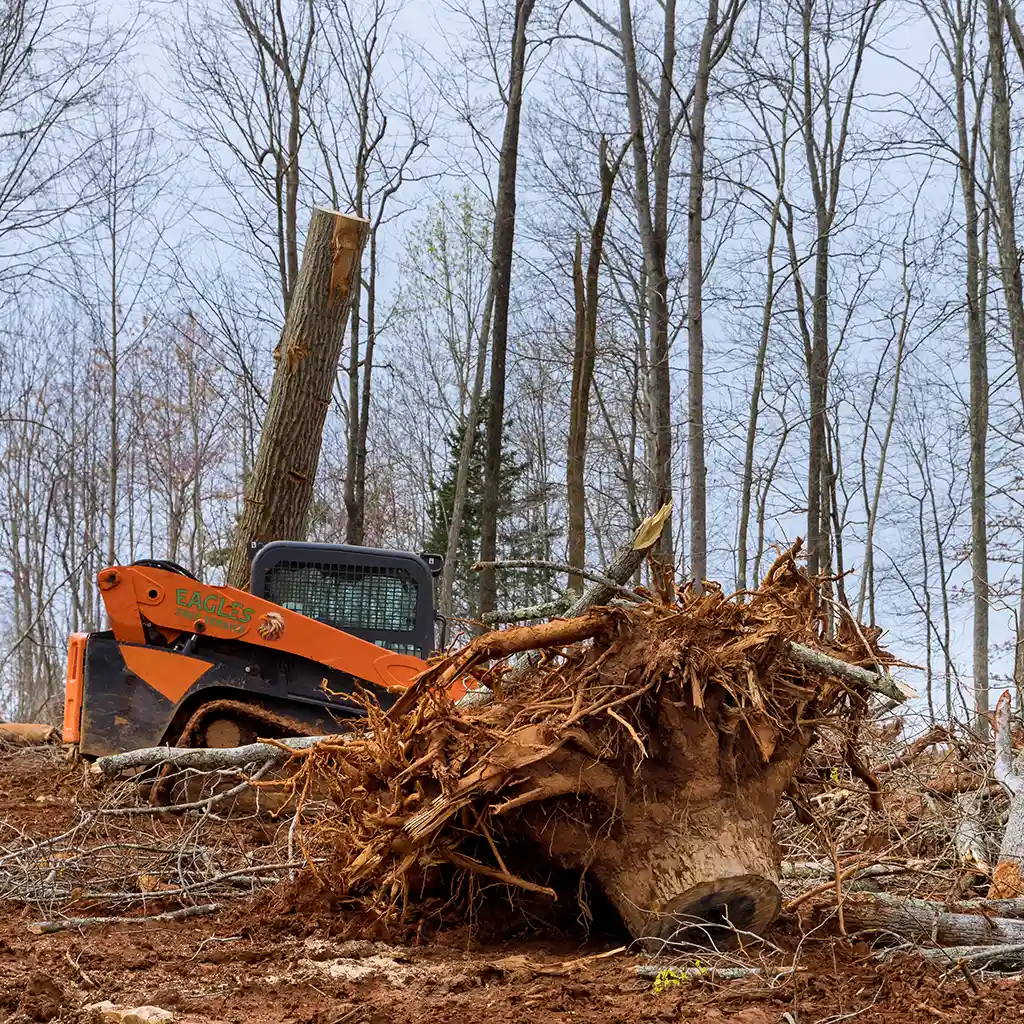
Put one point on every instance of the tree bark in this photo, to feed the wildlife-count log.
(695, 307)
(208, 758)
(652, 222)
(927, 921)
(1008, 877)
(281, 489)
(501, 281)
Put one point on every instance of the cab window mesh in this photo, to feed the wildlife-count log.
(347, 596)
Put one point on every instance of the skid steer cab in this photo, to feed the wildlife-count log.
(188, 664)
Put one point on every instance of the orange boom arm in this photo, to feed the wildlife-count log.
(177, 604)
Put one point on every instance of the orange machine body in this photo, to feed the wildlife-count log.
(152, 610)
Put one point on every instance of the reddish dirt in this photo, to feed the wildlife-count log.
(273, 959)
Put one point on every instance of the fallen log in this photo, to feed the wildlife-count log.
(826, 869)
(874, 681)
(209, 758)
(27, 733)
(927, 921)
(1008, 877)
(994, 908)
(676, 974)
(936, 734)
(981, 957)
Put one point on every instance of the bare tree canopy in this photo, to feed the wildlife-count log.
(755, 262)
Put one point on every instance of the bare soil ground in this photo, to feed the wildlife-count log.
(286, 956)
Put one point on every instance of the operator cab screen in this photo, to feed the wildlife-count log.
(349, 597)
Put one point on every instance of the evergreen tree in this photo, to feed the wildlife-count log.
(518, 532)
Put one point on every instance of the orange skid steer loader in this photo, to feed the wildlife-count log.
(187, 664)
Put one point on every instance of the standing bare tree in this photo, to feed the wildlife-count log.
(654, 161)
(1004, 182)
(115, 262)
(244, 69)
(585, 292)
(368, 149)
(53, 62)
(503, 241)
(956, 30)
(714, 43)
(827, 104)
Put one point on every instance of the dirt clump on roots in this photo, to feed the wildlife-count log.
(644, 745)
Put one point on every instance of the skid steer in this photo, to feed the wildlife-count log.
(189, 664)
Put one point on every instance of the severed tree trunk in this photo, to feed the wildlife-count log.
(501, 279)
(279, 494)
(683, 848)
(927, 921)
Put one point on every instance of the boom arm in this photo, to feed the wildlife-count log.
(176, 604)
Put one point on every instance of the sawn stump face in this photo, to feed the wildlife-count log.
(677, 873)
(682, 845)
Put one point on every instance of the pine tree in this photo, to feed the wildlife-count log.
(519, 535)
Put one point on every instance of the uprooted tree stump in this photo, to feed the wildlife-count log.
(680, 838)
(649, 746)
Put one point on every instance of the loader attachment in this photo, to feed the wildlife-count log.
(186, 663)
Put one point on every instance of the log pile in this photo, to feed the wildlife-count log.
(917, 873)
(646, 745)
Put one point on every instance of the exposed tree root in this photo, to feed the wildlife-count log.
(647, 746)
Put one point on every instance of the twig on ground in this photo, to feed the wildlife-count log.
(73, 923)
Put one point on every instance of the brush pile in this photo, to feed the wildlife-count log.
(647, 745)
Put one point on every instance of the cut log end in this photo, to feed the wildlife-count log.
(715, 913)
(27, 733)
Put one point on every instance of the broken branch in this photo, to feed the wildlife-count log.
(885, 685)
(206, 758)
(73, 923)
